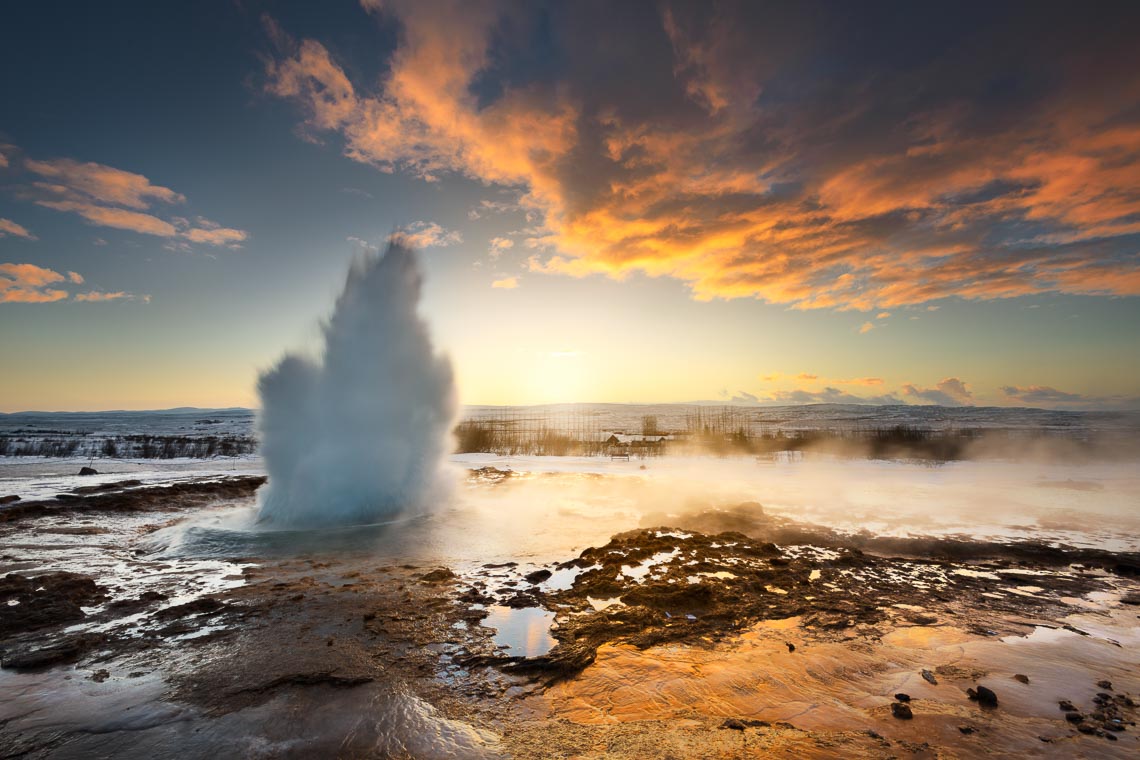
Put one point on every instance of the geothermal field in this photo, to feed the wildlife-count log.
(364, 570)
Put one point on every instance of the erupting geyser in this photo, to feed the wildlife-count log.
(359, 436)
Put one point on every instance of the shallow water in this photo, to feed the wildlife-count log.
(521, 632)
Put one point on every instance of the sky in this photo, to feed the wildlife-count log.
(614, 202)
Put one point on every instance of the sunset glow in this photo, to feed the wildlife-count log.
(767, 193)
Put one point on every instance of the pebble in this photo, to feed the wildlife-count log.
(901, 711)
(986, 696)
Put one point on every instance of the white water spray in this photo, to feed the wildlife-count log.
(359, 437)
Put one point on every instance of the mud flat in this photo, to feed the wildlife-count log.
(725, 633)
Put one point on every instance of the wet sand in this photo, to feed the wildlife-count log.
(728, 634)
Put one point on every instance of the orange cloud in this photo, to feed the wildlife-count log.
(500, 244)
(789, 206)
(110, 197)
(949, 392)
(506, 283)
(28, 283)
(8, 227)
(866, 381)
(426, 235)
(806, 376)
(96, 295)
(104, 183)
(117, 218)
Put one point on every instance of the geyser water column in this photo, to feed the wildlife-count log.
(359, 436)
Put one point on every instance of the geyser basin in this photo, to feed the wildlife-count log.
(358, 436)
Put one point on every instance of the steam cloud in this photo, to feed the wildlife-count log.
(359, 437)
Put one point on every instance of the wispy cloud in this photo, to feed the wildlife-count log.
(1049, 397)
(487, 208)
(829, 395)
(865, 381)
(1040, 394)
(103, 184)
(861, 192)
(506, 283)
(949, 392)
(29, 283)
(8, 227)
(866, 327)
(498, 245)
(93, 296)
(109, 197)
(426, 235)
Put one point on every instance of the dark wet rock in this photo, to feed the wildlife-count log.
(1021, 677)
(1110, 737)
(929, 677)
(57, 652)
(30, 603)
(321, 678)
(88, 471)
(1106, 685)
(1130, 569)
(922, 618)
(902, 697)
(791, 647)
(1066, 705)
(103, 487)
(203, 606)
(701, 588)
(99, 676)
(175, 496)
(967, 730)
(474, 596)
(1074, 717)
(490, 475)
(145, 599)
(1086, 728)
(439, 575)
(987, 697)
(1132, 597)
(901, 711)
(739, 724)
(9, 499)
(522, 600)
(538, 576)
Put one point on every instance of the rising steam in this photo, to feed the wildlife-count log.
(359, 436)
